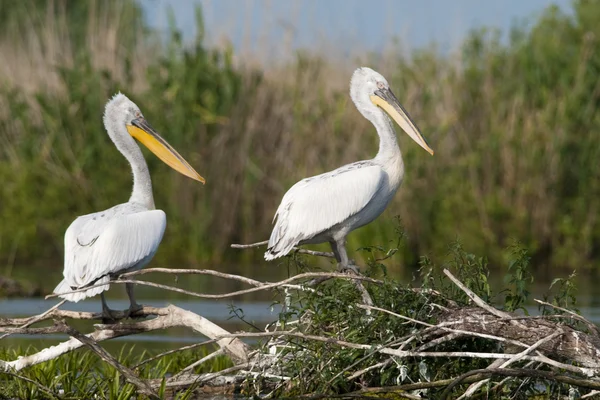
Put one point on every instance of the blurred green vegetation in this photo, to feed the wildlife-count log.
(514, 126)
(83, 375)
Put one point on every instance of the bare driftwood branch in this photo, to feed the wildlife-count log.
(54, 313)
(167, 317)
(523, 343)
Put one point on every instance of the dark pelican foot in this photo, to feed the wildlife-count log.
(133, 308)
(107, 314)
(348, 269)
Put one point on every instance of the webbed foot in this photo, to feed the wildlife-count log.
(133, 308)
(348, 269)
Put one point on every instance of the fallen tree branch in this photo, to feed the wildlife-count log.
(549, 342)
(54, 313)
(168, 317)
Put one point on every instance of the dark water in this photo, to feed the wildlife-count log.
(258, 313)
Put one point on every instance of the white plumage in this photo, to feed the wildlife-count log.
(326, 207)
(125, 237)
(314, 205)
(122, 238)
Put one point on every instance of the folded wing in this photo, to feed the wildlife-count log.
(316, 204)
(101, 244)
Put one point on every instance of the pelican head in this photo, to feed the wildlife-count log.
(120, 112)
(371, 93)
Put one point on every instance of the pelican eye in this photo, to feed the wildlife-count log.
(380, 85)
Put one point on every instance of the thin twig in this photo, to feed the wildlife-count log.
(442, 339)
(39, 385)
(476, 299)
(196, 380)
(530, 373)
(265, 286)
(37, 318)
(591, 394)
(369, 368)
(193, 271)
(166, 353)
(513, 360)
(406, 353)
(142, 386)
(295, 249)
(200, 361)
(250, 245)
(451, 330)
(475, 386)
(398, 389)
(576, 316)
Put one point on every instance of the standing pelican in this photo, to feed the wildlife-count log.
(125, 237)
(327, 207)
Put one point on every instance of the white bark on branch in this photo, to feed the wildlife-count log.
(167, 317)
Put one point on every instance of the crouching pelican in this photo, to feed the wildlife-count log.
(327, 207)
(124, 238)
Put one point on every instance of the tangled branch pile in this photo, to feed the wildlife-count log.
(441, 340)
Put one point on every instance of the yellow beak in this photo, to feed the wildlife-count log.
(145, 134)
(385, 99)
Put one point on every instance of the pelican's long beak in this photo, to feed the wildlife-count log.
(385, 99)
(143, 132)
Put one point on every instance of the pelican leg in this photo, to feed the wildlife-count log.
(107, 315)
(339, 250)
(336, 253)
(133, 306)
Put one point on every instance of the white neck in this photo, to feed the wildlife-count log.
(389, 155)
(142, 184)
(389, 150)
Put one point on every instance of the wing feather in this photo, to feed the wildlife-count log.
(316, 204)
(101, 244)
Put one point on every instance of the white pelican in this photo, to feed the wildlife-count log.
(125, 237)
(327, 207)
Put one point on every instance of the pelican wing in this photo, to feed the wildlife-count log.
(101, 244)
(316, 204)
